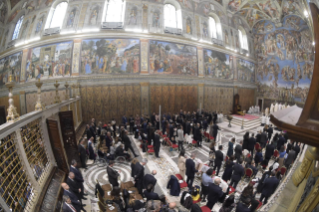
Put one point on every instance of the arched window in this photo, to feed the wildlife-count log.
(56, 16)
(172, 16)
(243, 39)
(17, 28)
(115, 10)
(215, 27)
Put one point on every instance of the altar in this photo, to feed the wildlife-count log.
(249, 121)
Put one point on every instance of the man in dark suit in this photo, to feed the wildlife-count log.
(297, 150)
(74, 186)
(93, 132)
(230, 150)
(263, 139)
(281, 141)
(77, 176)
(238, 173)
(74, 199)
(150, 194)
(190, 170)
(270, 132)
(124, 121)
(269, 187)
(112, 174)
(82, 153)
(88, 132)
(139, 175)
(150, 179)
(157, 144)
(258, 137)
(289, 146)
(198, 135)
(239, 151)
(214, 193)
(219, 157)
(251, 144)
(127, 143)
(244, 205)
(269, 151)
(215, 129)
(290, 158)
(67, 205)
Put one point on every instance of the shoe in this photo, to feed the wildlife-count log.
(85, 194)
(158, 157)
(84, 198)
(83, 205)
(83, 210)
(136, 156)
(203, 200)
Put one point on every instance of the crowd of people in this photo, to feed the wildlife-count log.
(253, 153)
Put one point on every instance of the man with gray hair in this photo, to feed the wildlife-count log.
(214, 193)
(67, 204)
(139, 174)
(190, 170)
(153, 205)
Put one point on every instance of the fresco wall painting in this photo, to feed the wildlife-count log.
(53, 60)
(245, 71)
(285, 59)
(218, 65)
(10, 65)
(110, 56)
(172, 58)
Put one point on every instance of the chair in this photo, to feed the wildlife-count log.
(248, 173)
(105, 187)
(257, 146)
(172, 146)
(231, 190)
(183, 184)
(276, 154)
(205, 209)
(226, 158)
(194, 143)
(260, 204)
(283, 170)
(248, 155)
(101, 206)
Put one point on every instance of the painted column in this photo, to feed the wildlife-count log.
(23, 105)
(200, 62)
(82, 15)
(201, 94)
(144, 56)
(76, 57)
(23, 66)
(145, 17)
(145, 100)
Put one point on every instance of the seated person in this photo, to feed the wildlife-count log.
(134, 203)
(150, 194)
(195, 193)
(117, 198)
(173, 140)
(120, 152)
(104, 155)
(238, 110)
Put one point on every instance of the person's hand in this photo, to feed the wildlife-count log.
(79, 190)
(119, 171)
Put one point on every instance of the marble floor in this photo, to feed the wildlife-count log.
(166, 165)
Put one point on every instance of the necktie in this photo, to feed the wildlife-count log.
(71, 206)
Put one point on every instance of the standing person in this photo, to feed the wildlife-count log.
(290, 158)
(289, 146)
(270, 132)
(228, 169)
(214, 193)
(269, 151)
(132, 123)
(243, 206)
(93, 131)
(246, 141)
(258, 157)
(91, 149)
(139, 175)
(157, 144)
(198, 135)
(206, 180)
(182, 163)
(127, 143)
(269, 187)
(248, 193)
(230, 150)
(281, 142)
(150, 179)
(262, 180)
(74, 186)
(239, 151)
(297, 150)
(82, 152)
(251, 144)
(228, 205)
(67, 205)
(180, 138)
(190, 171)
(112, 174)
(77, 176)
(219, 157)
(215, 130)
(74, 199)
(282, 154)
(238, 173)
(263, 139)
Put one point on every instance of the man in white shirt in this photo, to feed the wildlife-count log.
(67, 205)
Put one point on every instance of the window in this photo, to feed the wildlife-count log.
(115, 11)
(17, 28)
(212, 26)
(57, 15)
(243, 39)
(172, 16)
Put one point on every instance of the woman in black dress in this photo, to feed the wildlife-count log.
(228, 169)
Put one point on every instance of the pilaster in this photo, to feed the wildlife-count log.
(76, 57)
(23, 104)
(200, 89)
(144, 56)
(145, 98)
(200, 62)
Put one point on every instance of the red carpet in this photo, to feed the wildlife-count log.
(247, 116)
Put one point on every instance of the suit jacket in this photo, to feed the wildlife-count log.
(238, 150)
(289, 146)
(157, 142)
(149, 179)
(290, 158)
(297, 150)
(190, 168)
(215, 129)
(174, 186)
(139, 172)
(88, 133)
(263, 138)
(270, 185)
(82, 152)
(197, 134)
(219, 157)
(126, 140)
(280, 142)
(113, 175)
(214, 193)
(258, 157)
(270, 131)
(242, 207)
(91, 151)
(74, 187)
(151, 195)
(124, 120)
(67, 208)
(74, 200)
(258, 137)
(230, 150)
(78, 175)
(251, 143)
(238, 172)
(269, 150)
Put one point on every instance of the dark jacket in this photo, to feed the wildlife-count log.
(77, 174)
(149, 179)
(139, 172)
(66, 208)
(265, 176)
(91, 151)
(258, 157)
(151, 195)
(230, 150)
(251, 143)
(215, 130)
(157, 142)
(219, 157)
(173, 184)
(270, 185)
(190, 168)
(270, 132)
(269, 151)
(238, 172)
(258, 138)
(74, 187)
(82, 152)
(297, 150)
(263, 139)
(74, 199)
(280, 142)
(126, 141)
(214, 193)
(242, 208)
(113, 175)
(197, 134)
(238, 151)
(290, 158)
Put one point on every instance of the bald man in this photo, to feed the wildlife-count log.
(150, 179)
(75, 187)
(74, 199)
(214, 193)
